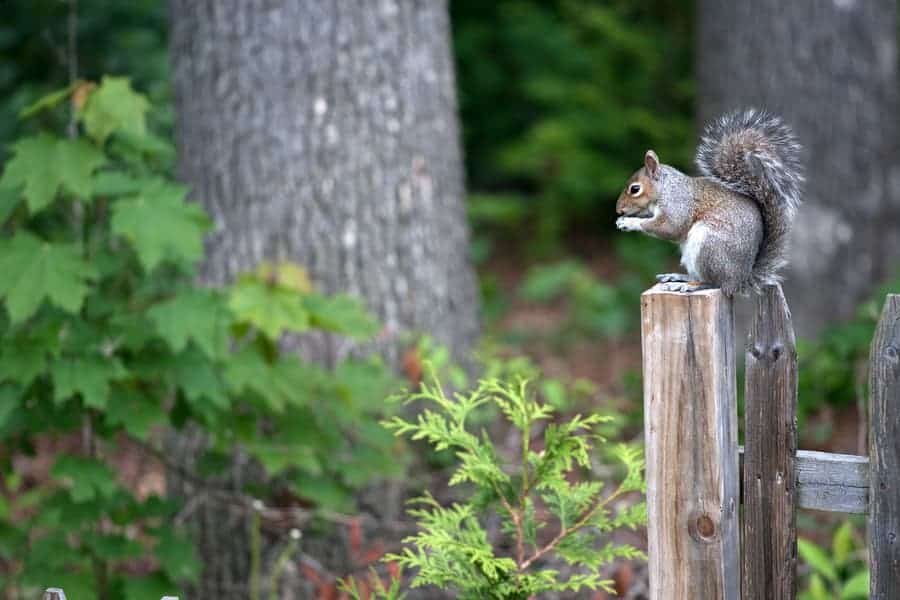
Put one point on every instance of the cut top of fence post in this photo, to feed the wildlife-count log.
(884, 455)
(54, 594)
(690, 428)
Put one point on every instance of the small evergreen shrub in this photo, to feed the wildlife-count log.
(549, 513)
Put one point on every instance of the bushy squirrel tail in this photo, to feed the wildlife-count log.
(754, 153)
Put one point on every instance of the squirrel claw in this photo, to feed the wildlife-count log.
(684, 286)
(672, 278)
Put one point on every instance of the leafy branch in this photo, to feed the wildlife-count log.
(453, 548)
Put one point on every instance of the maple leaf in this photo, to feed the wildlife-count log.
(194, 314)
(43, 163)
(270, 308)
(34, 270)
(89, 377)
(341, 314)
(161, 225)
(114, 106)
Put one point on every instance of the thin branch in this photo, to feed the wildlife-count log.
(72, 60)
(584, 520)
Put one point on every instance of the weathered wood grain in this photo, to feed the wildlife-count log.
(690, 426)
(830, 482)
(884, 455)
(769, 513)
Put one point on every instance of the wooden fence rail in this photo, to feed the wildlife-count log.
(709, 539)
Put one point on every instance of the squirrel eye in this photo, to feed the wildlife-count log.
(634, 189)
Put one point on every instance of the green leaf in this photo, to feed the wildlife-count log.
(112, 107)
(34, 270)
(10, 199)
(270, 308)
(857, 587)
(194, 314)
(48, 101)
(177, 557)
(117, 183)
(842, 543)
(816, 558)
(196, 375)
(341, 314)
(818, 589)
(88, 376)
(136, 413)
(85, 478)
(43, 163)
(148, 586)
(11, 401)
(161, 225)
(24, 357)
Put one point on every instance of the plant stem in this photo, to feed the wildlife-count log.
(585, 518)
(279, 565)
(255, 558)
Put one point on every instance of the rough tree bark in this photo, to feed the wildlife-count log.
(830, 68)
(325, 133)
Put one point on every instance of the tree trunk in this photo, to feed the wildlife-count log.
(326, 133)
(830, 68)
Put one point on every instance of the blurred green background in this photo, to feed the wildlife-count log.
(558, 101)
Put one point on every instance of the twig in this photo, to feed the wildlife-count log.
(570, 530)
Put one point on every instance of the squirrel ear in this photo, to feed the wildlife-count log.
(651, 163)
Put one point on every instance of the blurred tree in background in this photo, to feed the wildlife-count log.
(830, 68)
(325, 134)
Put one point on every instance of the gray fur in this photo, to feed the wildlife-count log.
(755, 154)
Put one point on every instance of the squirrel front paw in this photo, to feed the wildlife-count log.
(629, 223)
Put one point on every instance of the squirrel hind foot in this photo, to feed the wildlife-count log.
(685, 287)
(673, 278)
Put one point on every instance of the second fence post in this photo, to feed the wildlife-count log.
(690, 428)
(770, 452)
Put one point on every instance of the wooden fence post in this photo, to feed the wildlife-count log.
(769, 532)
(690, 428)
(884, 455)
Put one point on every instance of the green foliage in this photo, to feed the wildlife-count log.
(106, 343)
(595, 306)
(375, 588)
(561, 98)
(840, 575)
(832, 369)
(550, 513)
(121, 38)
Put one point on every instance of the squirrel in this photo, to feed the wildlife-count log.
(733, 221)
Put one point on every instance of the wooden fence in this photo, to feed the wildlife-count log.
(717, 531)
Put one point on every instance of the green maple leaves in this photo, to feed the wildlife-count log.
(43, 164)
(160, 225)
(34, 271)
(113, 107)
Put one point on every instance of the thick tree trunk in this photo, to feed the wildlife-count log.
(326, 133)
(830, 68)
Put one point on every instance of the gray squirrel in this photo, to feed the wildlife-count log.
(732, 222)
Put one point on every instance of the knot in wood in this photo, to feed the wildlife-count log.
(767, 352)
(702, 527)
(892, 353)
(776, 351)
